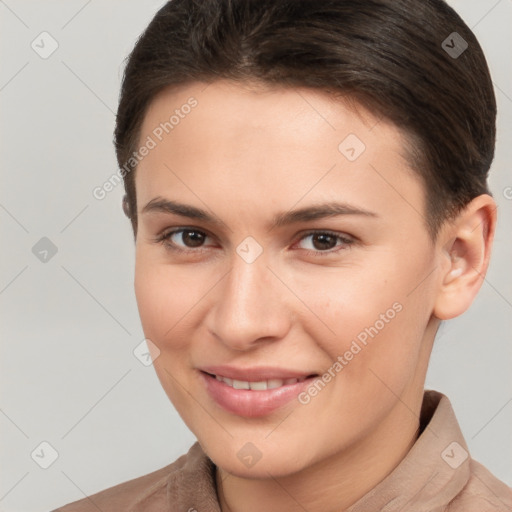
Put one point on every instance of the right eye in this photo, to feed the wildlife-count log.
(191, 238)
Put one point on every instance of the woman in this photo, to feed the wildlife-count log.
(307, 186)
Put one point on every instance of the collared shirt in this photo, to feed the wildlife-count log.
(436, 475)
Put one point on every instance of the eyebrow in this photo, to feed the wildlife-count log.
(308, 213)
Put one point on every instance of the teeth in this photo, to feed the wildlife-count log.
(260, 385)
(240, 384)
(275, 383)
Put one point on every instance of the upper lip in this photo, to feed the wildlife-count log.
(255, 373)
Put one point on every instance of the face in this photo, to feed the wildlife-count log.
(281, 246)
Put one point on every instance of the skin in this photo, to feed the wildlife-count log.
(245, 153)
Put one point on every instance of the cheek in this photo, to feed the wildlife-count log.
(370, 319)
(163, 298)
(372, 357)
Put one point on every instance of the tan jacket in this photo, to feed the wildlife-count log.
(437, 475)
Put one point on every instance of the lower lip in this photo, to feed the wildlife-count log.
(252, 404)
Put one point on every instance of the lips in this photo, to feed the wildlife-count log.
(255, 374)
(253, 392)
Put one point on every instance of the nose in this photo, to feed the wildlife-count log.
(251, 306)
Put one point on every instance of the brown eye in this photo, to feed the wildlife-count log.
(192, 238)
(323, 242)
(183, 239)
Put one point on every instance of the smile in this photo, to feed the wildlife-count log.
(261, 385)
(257, 397)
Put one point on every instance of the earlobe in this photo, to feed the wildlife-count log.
(467, 255)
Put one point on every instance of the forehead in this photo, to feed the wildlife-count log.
(228, 138)
(293, 110)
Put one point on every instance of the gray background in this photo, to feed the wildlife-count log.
(69, 326)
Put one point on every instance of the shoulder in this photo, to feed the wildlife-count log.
(148, 492)
(483, 492)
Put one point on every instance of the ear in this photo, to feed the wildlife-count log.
(467, 242)
(126, 206)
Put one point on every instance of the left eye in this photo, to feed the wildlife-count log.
(324, 241)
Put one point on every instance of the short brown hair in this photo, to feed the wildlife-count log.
(392, 56)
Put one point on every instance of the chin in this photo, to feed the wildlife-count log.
(244, 460)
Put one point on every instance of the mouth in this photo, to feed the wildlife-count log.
(259, 385)
(257, 396)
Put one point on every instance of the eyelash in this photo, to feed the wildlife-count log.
(164, 239)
